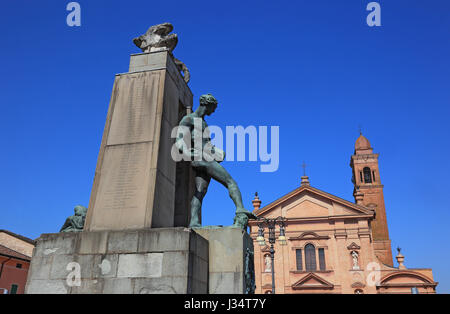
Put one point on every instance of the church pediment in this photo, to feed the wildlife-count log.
(312, 281)
(309, 202)
(306, 206)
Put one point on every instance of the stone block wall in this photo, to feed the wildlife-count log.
(166, 260)
(227, 256)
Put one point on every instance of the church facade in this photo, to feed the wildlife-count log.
(333, 245)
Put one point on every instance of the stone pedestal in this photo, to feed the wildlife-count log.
(172, 260)
(137, 184)
(231, 267)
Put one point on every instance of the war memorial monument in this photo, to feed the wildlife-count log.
(142, 232)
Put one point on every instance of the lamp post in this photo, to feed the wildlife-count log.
(271, 223)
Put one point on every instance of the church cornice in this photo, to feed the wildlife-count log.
(407, 285)
(366, 186)
(320, 218)
(365, 157)
(307, 272)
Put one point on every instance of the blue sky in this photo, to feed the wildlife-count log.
(313, 68)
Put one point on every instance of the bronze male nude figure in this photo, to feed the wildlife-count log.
(206, 163)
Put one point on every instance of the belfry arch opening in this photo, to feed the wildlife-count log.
(367, 175)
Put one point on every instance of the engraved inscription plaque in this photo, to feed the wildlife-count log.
(123, 188)
(135, 108)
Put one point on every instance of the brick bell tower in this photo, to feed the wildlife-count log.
(368, 191)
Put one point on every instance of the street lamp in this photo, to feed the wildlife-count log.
(271, 223)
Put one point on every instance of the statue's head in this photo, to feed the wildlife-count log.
(80, 210)
(210, 102)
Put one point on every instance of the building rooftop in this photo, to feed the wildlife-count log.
(18, 236)
(11, 253)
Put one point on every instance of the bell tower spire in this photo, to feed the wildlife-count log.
(368, 191)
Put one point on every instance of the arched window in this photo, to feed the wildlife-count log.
(367, 175)
(310, 257)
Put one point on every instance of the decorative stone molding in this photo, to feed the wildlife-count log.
(309, 235)
(353, 246)
(365, 157)
(358, 284)
(266, 249)
(317, 246)
(307, 271)
(364, 233)
(340, 234)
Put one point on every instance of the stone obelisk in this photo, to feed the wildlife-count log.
(137, 183)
